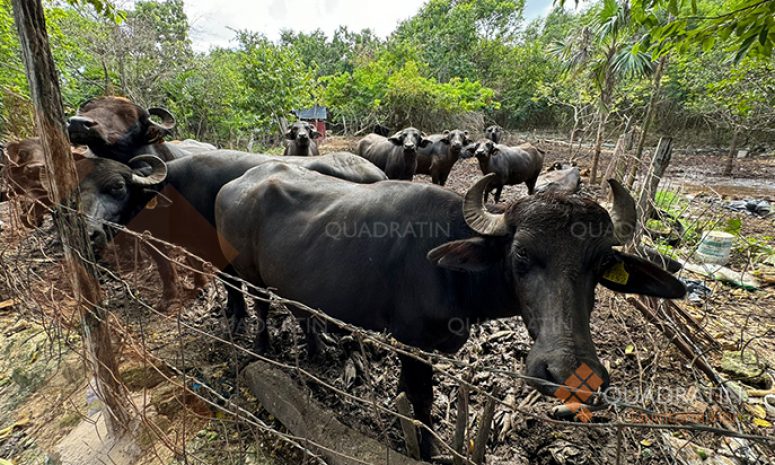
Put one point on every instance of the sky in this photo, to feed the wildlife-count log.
(213, 21)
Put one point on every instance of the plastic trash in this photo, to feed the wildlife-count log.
(697, 292)
(757, 207)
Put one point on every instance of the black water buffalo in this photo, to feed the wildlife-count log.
(300, 140)
(395, 155)
(559, 178)
(438, 158)
(183, 214)
(510, 165)
(116, 128)
(381, 129)
(423, 263)
(494, 133)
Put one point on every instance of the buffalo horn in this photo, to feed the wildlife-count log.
(158, 170)
(476, 215)
(623, 214)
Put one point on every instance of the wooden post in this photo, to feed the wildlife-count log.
(648, 192)
(485, 427)
(410, 432)
(461, 423)
(63, 183)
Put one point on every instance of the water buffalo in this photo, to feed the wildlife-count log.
(25, 176)
(183, 214)
(510, 165)
(395, 155)
(301, 140)
(559, 178)
(494, 133)
(438, 158)
(116, 128)
(423, 263)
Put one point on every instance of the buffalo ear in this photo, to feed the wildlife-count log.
(477, 254)
(633, 275)
(314, 134)
(289, 134)
(396, 138)
(426, 142)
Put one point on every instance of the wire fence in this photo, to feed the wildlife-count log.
(189, 351)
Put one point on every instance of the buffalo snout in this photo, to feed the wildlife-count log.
(559, 371)
(80, 122)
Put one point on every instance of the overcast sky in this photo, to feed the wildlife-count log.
(211, 20)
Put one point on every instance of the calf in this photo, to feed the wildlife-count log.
(445, 263)
(300, 140)
(438, 158)
(494, 133)
(510, 165)
(395, 155)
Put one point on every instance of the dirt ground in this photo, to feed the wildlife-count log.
(190, 345)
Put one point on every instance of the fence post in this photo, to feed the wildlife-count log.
(63, 183)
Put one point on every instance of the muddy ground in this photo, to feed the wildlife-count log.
(641, 359)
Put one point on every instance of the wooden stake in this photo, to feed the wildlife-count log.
(485, 426)
(410, 431)
(461, 423)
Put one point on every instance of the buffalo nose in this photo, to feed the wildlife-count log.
(81, 121)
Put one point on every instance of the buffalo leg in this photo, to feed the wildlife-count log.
(498, 191)
(167, 273)
(235, 301)
(312, 327)
(261, 342)
(417, 382)
(531, 185)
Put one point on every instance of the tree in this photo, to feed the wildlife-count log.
(604, 47)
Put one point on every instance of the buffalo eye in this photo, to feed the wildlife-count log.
(117, 188)
(521, 260)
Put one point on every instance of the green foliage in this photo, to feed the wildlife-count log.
(276, 78)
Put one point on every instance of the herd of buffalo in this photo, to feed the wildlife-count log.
(269, 220)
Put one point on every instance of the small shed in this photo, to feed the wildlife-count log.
(317, 115)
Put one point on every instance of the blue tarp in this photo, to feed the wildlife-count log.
(317, 112)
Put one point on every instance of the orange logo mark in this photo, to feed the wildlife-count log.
(578, 388)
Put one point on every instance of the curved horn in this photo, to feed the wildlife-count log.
(477, 217)
(167, 120)
(623, 214)
(158, 170)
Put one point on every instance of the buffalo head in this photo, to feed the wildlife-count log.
(114, 127)
(553, 250)
(114, 192)
(494, 133)
(410, 139)
(302, 132)
(456, 140)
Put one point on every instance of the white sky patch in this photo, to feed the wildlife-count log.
(214, 22)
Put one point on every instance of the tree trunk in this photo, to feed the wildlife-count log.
(598, 145)
(63, 183)
(648, 192)
(731, 155)
(658, 73)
